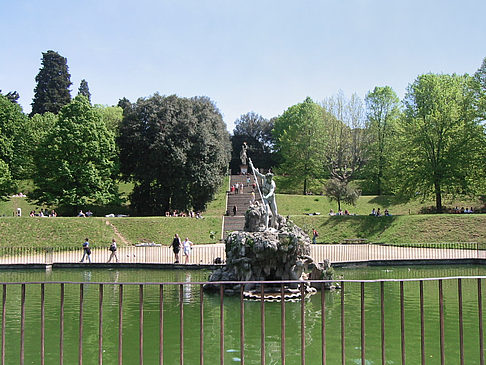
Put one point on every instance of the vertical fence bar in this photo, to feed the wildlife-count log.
(402, 322)
(4, 299)
(81, 308)
(362, 324)
(302, 323)
(22, 324)
(61, 327)
(181, 324)
(140, 335)
(480, 317)
(221, 324)
(282, 324)
(100, 326)
(422, 322)
(242, 326)
(343, 343)
(201, 325)
(461, 323)
(323, 323)
(262, 322)
(161, 324)
(441, 319)
(120, 325)
(382, 320)
(42, 354)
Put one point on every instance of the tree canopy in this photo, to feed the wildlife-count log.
(75, 161)
(84, 89)
(256, 131)
(441, 139)
(53, 82)
(300, 137)
(175, 150)
(382, 113)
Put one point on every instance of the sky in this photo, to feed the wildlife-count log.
(262, 56)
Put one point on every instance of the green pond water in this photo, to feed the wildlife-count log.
(352, 308)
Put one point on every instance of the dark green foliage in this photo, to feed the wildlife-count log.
(13, 96)
(13, 137)
(176, 150)
(256, 131)
(84, 89)
(53, 82)
(75, 161)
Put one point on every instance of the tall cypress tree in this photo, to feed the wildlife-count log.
(53, 82)
(84, 89)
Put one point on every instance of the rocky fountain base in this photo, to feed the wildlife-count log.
(274, 254)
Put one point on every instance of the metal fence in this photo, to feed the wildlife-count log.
(293, 343)
(207, 253)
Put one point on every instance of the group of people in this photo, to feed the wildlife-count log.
(87, 251)
(42, 213)
(190, 214)
(339, 212)
(237, 188)
(177, 245)
(378, 213)
(88, 213)
(463, 210)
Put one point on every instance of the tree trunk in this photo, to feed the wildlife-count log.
(339, 204)
(305, 186)
(438, 197)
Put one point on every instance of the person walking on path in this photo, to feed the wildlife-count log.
(187, 245)
(315, 234)
(86, 251)
(235, 209)
(176, 246)
(113, 250)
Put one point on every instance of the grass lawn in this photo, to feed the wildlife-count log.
(404, 226)
(398, 229)
(71, 232)
(302, 204)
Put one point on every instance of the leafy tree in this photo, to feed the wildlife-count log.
(480, 89)
(75, 161)
(176, 150)
(112, 116)
(344, 151)
(13, 96)
(299, 139)
(256, 131)
(441, 139)
(383, 111)
(342, 191)
(13, 137)
(84, 89)
(53, 82)
(6, 183)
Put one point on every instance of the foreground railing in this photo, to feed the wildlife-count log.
(382, 321)
(207, 253)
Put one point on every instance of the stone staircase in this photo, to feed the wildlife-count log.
(241, 201)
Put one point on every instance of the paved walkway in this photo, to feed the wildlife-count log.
(206, 254)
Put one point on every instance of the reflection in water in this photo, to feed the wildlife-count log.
(231, 313)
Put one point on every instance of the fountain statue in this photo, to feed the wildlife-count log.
(262, 252)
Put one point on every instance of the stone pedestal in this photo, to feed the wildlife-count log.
(259, 254)
(243, 169)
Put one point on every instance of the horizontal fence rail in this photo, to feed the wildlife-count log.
(205, 254)
(368, 321)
